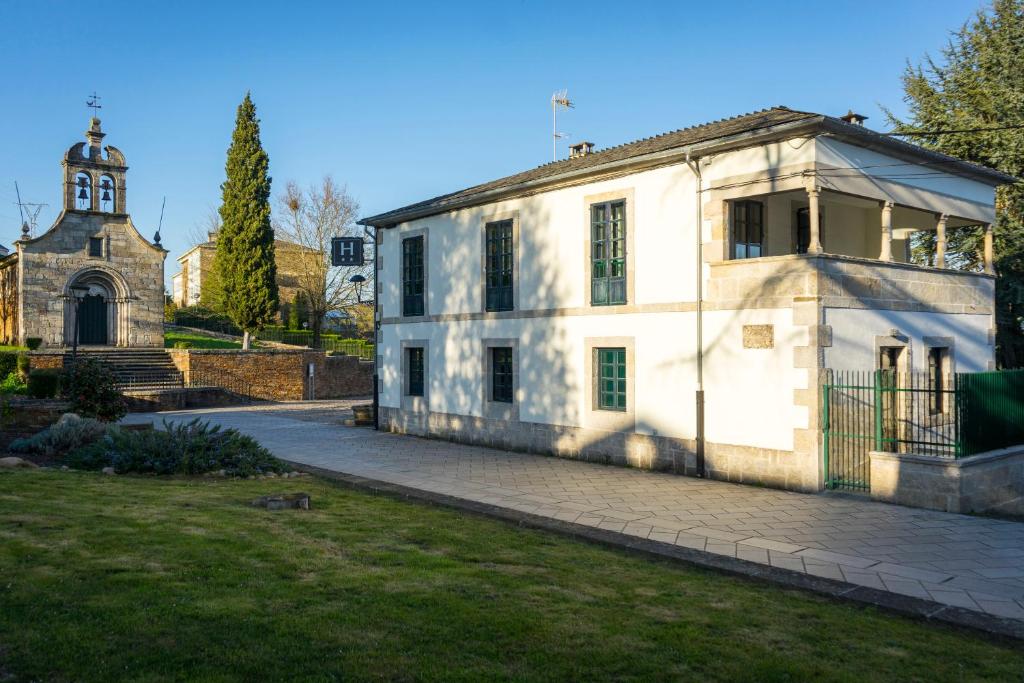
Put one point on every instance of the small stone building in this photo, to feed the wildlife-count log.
(92, 249)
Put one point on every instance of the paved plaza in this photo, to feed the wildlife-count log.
(970, 562)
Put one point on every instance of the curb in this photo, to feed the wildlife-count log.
(892, 602)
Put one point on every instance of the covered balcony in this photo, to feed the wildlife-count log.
(843, 249)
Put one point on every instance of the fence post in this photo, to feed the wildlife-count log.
(878, 409)
(826, 388)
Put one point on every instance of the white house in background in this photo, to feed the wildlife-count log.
(584, 307)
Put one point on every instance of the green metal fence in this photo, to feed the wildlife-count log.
(950, 416)
(328, 342)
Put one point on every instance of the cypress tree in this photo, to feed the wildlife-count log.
(245, 245)
(979, 83)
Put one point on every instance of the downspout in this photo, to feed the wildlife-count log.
(376, 328)
(694, 165)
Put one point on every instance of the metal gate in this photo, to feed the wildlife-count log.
(884, 410)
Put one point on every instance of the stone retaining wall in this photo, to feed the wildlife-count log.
(987, 482)
(277, 374)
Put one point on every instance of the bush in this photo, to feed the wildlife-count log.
(23, 365)
(13, 384)
(33, 343)
(192, 448)
(182, 344)
(89, 385)
(44, 382)
(68, 433)
(9, 362)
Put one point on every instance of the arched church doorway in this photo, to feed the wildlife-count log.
(92, 314)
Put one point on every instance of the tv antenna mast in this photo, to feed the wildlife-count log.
(559, 99)
(29, 209)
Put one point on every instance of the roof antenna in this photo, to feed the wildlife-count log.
(156, 237)
(558, 99)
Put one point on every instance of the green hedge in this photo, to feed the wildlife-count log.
(8, 362)
(44, 382)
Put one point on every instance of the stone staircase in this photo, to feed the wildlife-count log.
(136, 369)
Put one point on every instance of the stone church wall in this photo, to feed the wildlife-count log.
(49, 263)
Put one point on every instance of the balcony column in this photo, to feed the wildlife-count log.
(990, 259)
(940, 241)
(814, 243)
(886, 254)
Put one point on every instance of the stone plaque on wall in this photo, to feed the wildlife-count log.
(759, 336)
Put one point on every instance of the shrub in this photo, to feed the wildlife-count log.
(192, 448)
(23, 365)
(68, 433)
(182, 344)
(13, 384)
(8, 362)
(44, 382)
(33, 343)
(89, 385)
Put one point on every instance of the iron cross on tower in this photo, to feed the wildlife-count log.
(94, 103)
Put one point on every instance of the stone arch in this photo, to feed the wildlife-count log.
(116, 294)
(108, 190)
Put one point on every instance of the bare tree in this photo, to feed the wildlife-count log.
(310, 219)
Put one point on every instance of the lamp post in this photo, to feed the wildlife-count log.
(79, 292)
(358, 281)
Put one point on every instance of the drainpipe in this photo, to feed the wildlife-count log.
(694, 165)
(376, 341)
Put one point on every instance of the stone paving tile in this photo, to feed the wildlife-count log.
(976, 563)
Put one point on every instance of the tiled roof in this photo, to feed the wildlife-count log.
(686, 137)
(658, 143)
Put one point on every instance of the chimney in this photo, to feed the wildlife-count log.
(855, 119)
(581, 149)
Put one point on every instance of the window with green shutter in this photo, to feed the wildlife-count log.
(501, 374)
(499, 266)
(611, 379)
(414, 368)
(412, 276)
(608, 253)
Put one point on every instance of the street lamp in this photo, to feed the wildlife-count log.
(79, 292)
(358, 281)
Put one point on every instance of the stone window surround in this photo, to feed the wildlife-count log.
(948, 366)
(626, 194)
(494, 409)
(496, 218)
(416, 404)
(402, 236)
(888, 341)
(608, 420)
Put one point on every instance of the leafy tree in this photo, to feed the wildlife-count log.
(979, 83)
(245, 244)
(298, 313)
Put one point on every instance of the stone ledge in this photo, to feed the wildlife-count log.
(839, 590)
(991, 481)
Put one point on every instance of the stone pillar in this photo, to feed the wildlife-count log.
(886, 253)
(940, 241)
(814, 243)
(990, 259)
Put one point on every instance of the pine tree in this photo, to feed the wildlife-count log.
(245, 245)
(299, 311)
(979, 83)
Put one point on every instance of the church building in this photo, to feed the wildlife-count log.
(92, 261)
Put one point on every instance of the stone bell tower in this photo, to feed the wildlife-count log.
(92, 182)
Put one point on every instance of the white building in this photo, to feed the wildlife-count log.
(579, 308)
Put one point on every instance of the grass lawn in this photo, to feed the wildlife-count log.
(198, 341)
(111, 578)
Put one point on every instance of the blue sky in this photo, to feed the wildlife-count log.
(404, 101)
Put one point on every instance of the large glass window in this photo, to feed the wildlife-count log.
(747, 229)
(501, 374)
(412, 276)
(611, 379)
(608, 253)
(414, 367)
(499, 266)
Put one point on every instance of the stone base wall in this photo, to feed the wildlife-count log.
(278, 374)
(43, 360)
(179, 399)
(741, 464)
(988, 482)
